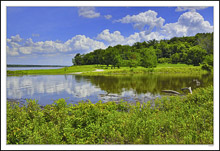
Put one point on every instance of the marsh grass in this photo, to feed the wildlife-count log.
(173, 120)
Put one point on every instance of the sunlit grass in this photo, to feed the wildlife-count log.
(173, 65)
(90, 70)
(174, 120)
(65, 70)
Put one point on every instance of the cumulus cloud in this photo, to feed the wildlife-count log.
(190, 8)
(188, 24)
(88, 12)
(79, 43)
(12, 51)
(108, 16)
(13, 45)
(83, 43)
(143, 20)
(15, 38)
(115, 37)
(141, 36)
(112, 38)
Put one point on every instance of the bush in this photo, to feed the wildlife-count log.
(209, 60)
(173, 120)
(207, 67)
(164, 60)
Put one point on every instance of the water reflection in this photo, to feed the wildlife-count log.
(74, 88)
(148, 83)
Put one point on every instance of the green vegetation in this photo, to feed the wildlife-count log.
(161, 68)
(89, 70)
(173, 120)
(65, 70)
(144, 57)
(193, 50)
(169, 120)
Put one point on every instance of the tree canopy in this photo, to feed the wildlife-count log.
(193, 50)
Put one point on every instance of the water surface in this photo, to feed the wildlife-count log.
(74, 88)
(31, 68)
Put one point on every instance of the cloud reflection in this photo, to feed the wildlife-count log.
(28, 86)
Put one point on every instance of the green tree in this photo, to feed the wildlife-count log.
(116, 60)
(149, 58)
(196, 55)
(133, 59)
(205, 40)
(108, 56)
(78, 59)
(207, 63)
(73, 61)
(164, 47)
(175, 58)
(208, 59)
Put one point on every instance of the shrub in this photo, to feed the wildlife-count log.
(169, 120)
(206, 67)
(164, 60)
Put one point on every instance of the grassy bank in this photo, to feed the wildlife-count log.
(161, 68)
(177, 120)
(65, 70)
(89, 70)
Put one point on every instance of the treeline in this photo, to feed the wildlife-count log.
(17, 65)
(193, 50)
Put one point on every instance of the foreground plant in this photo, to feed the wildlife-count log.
(173, 120)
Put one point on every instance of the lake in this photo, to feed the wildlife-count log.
(74, 88)
(31, 68)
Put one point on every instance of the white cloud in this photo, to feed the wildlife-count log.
(190, 8)
(108, 16)
(25, 50)
(83, 43)
(141, 36)
(116, 38)
(188, 24)
(144, 19)
(112, 38)
(79, 43)
(16, 38)
(12, 51)
(88, 12)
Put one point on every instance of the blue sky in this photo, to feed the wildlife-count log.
(53, 35)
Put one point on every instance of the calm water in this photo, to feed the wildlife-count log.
(74, 88)
(31, 68)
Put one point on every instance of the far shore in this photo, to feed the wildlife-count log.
(103, 69)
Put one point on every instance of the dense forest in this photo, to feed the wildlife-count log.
(195, 50)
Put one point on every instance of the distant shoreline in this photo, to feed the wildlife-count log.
(16, 65)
